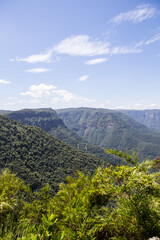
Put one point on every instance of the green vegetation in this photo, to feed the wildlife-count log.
(112, 129)
(109, 203)
(50, 122)
(37, 157)
(115, 203)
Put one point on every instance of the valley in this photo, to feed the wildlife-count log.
(55, 170)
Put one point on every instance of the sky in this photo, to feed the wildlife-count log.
(79, 53)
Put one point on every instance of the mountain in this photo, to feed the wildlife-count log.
(4, 111)
(150, 118)
(112, 129)
(49, 121)
(37, 157)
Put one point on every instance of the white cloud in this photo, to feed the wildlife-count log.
(153, 105)
(83, 78)
(96, 61)
(103, 104)
(155, 38)
(141, 13)
(65, 97)
(81, 45)
(48, 95)
(38, 70)
(144, 106)
(39, 91)
(125, 50)
(4, 81)
(34, 101)
(138, 105)
(42, 57)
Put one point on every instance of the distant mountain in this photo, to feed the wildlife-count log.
(37, 157)
(150, 118)
(49, 121)
(112, 129)
(4, 111)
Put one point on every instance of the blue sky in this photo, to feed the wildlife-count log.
(79, 53)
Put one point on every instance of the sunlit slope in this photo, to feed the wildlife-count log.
(112, 129)
(49, 121)
(37, 157)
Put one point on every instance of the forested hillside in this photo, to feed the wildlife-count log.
(49, 121)
(37, 157)
(112, 129)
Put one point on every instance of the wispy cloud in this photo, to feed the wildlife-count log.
(82, 45)
(83, 78)
(37, 70)
(36, 58)
(155, 38)
(125, 50)
(141, 13)
(2, 81)
(96, 61)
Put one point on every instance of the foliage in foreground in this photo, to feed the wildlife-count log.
(115, 203)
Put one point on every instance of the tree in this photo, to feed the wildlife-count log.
(115, 203)
(12, 193)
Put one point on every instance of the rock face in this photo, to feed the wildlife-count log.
(150, 118)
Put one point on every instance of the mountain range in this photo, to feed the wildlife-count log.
(44, 146)
(112, 129)
(150, 118)
(50, 122)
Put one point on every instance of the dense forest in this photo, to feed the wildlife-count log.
(113, 203)
(37, 157)
(50, 122)
(112, 129)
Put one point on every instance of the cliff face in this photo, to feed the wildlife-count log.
(46, 119)
(150, 118)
